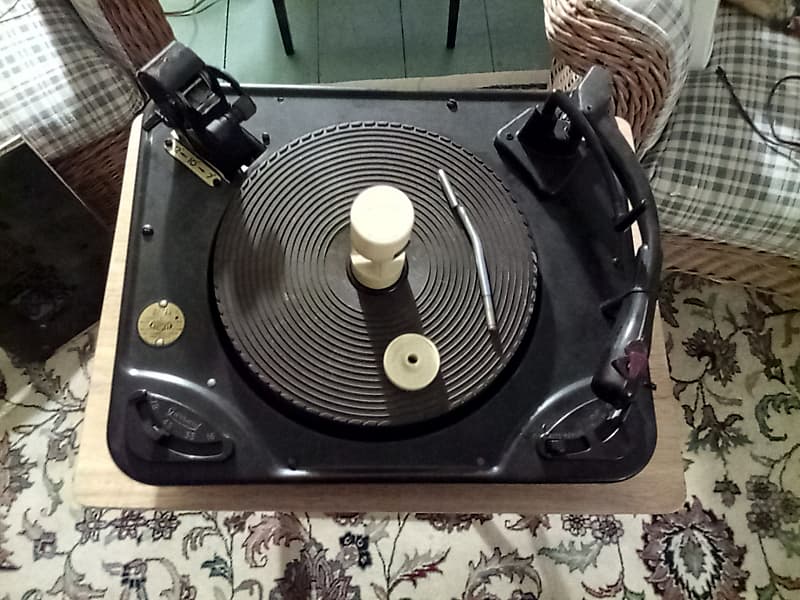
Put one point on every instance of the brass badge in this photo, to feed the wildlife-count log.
(161, 323)
(208, 174)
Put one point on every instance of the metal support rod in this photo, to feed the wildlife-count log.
(452, 23)
(283, 25)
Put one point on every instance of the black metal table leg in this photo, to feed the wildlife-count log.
(283, 25)
(452, 23)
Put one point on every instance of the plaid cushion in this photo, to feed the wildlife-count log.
(92, 15)
(59, 90)
(712, 175)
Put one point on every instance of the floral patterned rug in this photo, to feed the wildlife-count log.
(735, 360)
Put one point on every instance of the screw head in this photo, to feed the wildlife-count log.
(280, 98)
(163, 303)
(452, 105)
(211, 382)
(147, 230)
(265, 139)
(509, 136)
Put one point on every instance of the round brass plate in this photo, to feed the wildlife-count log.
(161, 323)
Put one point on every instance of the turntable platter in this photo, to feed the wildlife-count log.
(315, 338)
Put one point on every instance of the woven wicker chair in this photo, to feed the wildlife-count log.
(95, 171)
(583, 33)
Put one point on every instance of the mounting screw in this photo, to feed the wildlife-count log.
(211, 382)
(265, 138)
(147, 230)
(163, 303)
(615, 261)
(452, 105)
(168, 143)
(280, 98)
(509, 136)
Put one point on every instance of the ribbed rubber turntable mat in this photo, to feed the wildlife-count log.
(314, 338)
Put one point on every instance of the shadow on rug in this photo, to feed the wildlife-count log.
(735, 362)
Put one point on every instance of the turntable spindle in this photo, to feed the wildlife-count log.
(381, 219)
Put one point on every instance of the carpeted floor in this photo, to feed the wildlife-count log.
(735, 360)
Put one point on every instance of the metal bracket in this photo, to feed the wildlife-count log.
(207, 174)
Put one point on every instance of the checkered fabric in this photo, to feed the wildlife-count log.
(711, 174)
(668, 24)
(59, 89)
(92, 15)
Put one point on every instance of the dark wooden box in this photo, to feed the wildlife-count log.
(53, 257)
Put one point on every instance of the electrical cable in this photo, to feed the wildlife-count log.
(771, 114)
(10, 8)
(198, 7)
(5, 19)
(774, 145)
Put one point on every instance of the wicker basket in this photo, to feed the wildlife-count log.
(581, 34)
(762, 271)
(94, 171)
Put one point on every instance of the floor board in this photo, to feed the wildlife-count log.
(204, 33)
(255, 50)
(425, 33)
(360, 40)
(347, 40)
(516, 32)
